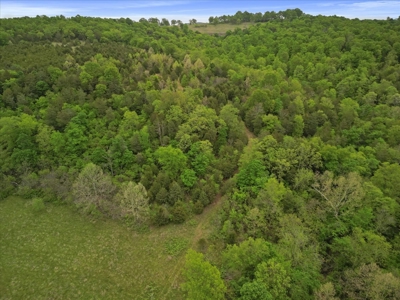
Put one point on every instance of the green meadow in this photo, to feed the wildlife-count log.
(55, 253)
(219, 29)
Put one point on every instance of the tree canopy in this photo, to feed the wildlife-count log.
(293, 120)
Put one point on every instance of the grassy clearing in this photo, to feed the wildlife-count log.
(55, 253)
(220, 29)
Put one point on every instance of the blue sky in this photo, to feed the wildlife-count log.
(187, 9)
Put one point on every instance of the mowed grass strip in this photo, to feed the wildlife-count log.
(220, 29)
(58, 254)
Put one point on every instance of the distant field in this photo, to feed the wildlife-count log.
(59, 254)
(220, 29)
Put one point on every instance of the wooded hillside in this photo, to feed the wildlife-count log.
(295, 121)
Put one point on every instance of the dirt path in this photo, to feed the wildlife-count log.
(208, 213)
(201, 229)
(199, 232)
(249, 134)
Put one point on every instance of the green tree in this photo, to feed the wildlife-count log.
(386, 178)
(236, 128)
(25, 151)
(175, 193)
(4, 38)
(394, 135)
(172, 160)
(202, 280)
(361, 247)
(252, 174)
(18, 149)
(76, 141)
(202, 124)
(164, 22)
(275, 277)
(243, 259)
(162, 196)
(298, 126)
(188, 177)
(348, 112)
(201, 157)
(179, 212)
(255, 290)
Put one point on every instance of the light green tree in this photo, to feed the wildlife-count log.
(298, 126)
(275, 277)
(255, 290)
(172, 160)
(243, 259)
(326, 292)
(134, 201)
(92, 189)
(202, 280)
(370, 282)
(387, 179)
(361, 247)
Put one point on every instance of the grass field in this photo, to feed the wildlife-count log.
(220, 29)
(58, 254)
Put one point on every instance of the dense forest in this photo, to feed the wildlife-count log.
(293, 121)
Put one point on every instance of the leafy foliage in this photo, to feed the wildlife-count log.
(296, 116)
(202, 280)
(175, 246)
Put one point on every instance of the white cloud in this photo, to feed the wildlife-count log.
(325, 4)
(188, 9)
(194, 10)
(362, 10)
(373, 4)
(11, 10)
(113, 9)
(146, 4)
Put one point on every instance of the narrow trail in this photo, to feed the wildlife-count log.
(249, 134)
(200, 230)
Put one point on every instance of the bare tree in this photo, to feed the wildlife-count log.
(326, 292)
(339, 193)
(93, 189)
(133, 201)
(370, 282)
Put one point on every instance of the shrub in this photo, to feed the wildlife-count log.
(198, 207)
(161, 216)
(38, 204)
(6, 186)
(179, 212)
(175, 246)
